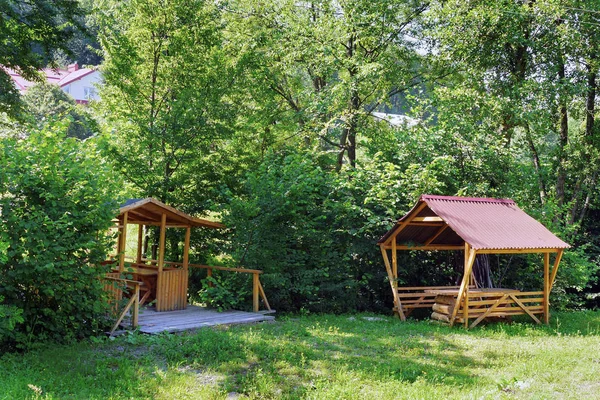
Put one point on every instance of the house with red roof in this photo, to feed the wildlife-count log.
(80, 83)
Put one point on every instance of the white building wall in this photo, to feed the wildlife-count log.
(77, 89)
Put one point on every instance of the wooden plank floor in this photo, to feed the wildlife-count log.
(193, 317)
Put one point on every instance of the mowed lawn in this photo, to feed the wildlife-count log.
(358, 356)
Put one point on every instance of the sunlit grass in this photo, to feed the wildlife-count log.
(323, 357)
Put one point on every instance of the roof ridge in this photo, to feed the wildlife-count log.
(426, 197)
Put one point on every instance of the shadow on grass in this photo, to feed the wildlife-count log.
(290, 358)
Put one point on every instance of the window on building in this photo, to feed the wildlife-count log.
(89, 93)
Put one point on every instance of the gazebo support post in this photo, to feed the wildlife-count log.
(161, 260)
(186, 248)
(469, 279)
(465, 283)
(395, 262)
(393, 283)
(546, 301)
(123, 241)
(139, 243)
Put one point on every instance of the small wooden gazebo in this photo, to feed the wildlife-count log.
(167, 283)
(475, 226)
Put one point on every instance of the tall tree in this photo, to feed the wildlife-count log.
(164, 86)
(329, 64)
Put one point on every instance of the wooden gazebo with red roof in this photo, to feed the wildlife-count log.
(166, 282)
(475, 226)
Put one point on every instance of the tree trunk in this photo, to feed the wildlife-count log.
(536, 164)
(563, 137)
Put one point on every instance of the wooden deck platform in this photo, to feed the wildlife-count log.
(193, 317)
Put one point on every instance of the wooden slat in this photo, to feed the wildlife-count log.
(526, 309)
(489, 302)
(504, 308)
(418, 301)
(401, 288)
(488, 311)
(415, 295)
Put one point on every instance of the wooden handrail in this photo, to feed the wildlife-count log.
(257, 289)
(249, 271)
(134, 301)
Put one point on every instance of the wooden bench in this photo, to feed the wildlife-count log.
(414, 297)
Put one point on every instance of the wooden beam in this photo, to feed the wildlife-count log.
(555, 268)
(427, 219)
(186, 248)
(434, 247)
(393, 283)
(466, 304)
(263, 296)
(123, 243)
(520, 304)
(139, 243)
(546, 302)
(255, 292)
(161, 261)
(394, 261)
(464, 284)
(489, 310)
(404, 223)
(435, 236)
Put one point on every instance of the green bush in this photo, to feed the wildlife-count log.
(314, 232)
(227, 292)
(57, 199)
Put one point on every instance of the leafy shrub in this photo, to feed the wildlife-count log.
(57, 199)
(314, 233)
(225, 292)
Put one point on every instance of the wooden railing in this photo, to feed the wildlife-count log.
(413, 297)
(115, 288)
(258, 291)
(490, 305)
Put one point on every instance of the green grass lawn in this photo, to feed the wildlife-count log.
(322, 357)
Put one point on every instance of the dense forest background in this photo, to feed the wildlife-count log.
(265, 114)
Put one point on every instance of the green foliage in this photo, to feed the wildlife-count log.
(162, 98)
(314, 233)
(10, 316)
(226, 292)
(57, 199)
(47, 102)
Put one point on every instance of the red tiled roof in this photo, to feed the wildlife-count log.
(58, 77)
(75, 75)
(484, 223)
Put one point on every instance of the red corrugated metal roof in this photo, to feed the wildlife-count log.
(486, 223)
